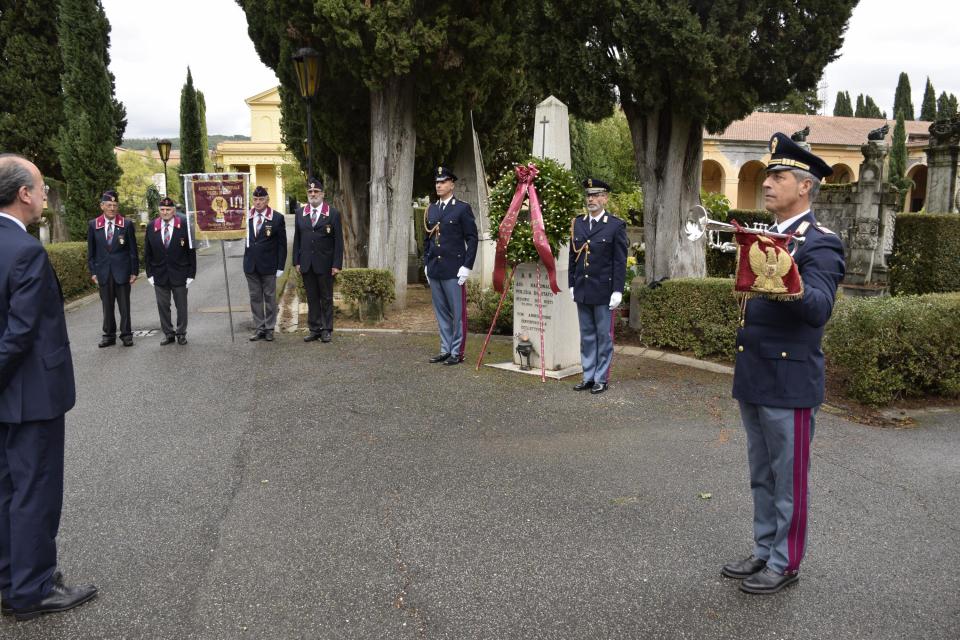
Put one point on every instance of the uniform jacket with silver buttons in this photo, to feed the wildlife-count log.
(318, 248)
(267, 251)
(779, 358)
(458, 240)
(601, 268)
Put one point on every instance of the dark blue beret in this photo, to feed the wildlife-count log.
(314, 183)
(260, 192)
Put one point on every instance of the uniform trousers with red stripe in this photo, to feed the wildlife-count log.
(778, 451)
(450, 308)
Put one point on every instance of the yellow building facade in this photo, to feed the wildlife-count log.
(734, 160)
(264, 155)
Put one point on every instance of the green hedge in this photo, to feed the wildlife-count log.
(698, 315)
(483, 304)
(69, 260)
(926, 253)
(882, 349)
(722, 265)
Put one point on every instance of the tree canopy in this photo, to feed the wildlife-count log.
(867, 108)
(902, 102)
(803, 102)
(928, 108)
(843, 106)
(192, 152)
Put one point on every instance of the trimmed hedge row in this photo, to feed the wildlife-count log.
(926, 253)
(69, 260)
(877, 349)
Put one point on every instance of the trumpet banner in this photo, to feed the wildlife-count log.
(765, 267)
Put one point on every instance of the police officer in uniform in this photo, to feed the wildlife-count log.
(263, 262)
(318, 255)
(171, 265)
(779, 374)
(114, 265)
(448, 254)
(597, 272)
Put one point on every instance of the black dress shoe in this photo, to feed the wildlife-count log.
(7, 610)
(311, 337)
(599, 387)
(181, 339)
(453, 359)
(767, 581)
(440, 357)
(60, 598)
(256, 336)
(745, 568)
(167, 340)
(581, 386)
(325, 336)
(268, 336)
(107, 342)
(127, 342)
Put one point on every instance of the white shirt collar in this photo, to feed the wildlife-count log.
(447, 201)
(17, 220)
(599, 215)
(786, 224)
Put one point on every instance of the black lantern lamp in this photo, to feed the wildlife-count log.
(306, 63)
(163, 147)
(524, 349)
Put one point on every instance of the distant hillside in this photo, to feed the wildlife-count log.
(140, 144)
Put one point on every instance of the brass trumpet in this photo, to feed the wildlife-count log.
(699, 223)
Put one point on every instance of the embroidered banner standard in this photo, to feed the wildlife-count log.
(217, 203)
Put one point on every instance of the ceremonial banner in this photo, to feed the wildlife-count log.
(217, 204)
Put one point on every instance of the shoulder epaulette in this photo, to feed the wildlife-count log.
(824, 229)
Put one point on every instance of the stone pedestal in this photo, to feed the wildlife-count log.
(943, 177)
(551, 131)
(561, 329)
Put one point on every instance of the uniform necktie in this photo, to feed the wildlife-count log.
(256, 231)
(109, 232)
(443, 206)
(166, 235)
(591, 224)
(313, 216)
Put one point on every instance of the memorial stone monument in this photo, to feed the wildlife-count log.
(561, 329)
(943, 176)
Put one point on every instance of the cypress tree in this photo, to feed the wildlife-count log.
(843, 107)
(898, 161)
(119, 110)
(946, 106)
(871, 110)
(191, 151)
(860, 112)
(902, 102)
(31, 103)
(204, 142)
(88, 134)
(928, 110)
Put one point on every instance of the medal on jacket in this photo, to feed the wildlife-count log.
(183, 242)
(121, 240)
(328, 228)
(268, 230)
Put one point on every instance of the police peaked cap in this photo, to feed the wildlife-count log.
(786, 154)
(444, 173)
(260, 192)
(592, 185)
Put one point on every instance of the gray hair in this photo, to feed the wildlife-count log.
(14, 173)
(801, 175)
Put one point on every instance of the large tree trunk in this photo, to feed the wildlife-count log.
(393, 141)
(668, 150)
(352, 199)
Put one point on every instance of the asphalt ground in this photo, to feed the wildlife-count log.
(352, 490)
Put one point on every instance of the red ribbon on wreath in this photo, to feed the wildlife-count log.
(525, 187)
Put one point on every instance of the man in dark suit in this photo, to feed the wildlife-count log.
(318, 255)
(598, 270)
(263, 262)
(448, 254)
(36, 390)
(114, 265)
(779, 373)
(171, 265)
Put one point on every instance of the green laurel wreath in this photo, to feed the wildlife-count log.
(561, 198)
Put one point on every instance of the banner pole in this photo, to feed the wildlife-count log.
(226, 281)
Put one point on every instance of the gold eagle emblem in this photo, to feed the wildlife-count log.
(769, 266)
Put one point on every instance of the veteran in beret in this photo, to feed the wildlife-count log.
(779, 373)
(597, 273)
(114, 265)
(263, 261)
(450, 247)
(171, 265)
(318, 256)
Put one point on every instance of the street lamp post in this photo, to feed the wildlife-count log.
(306, 62)
(163, 146)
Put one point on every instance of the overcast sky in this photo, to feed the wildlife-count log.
(153, 42)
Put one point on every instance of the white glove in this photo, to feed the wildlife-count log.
(189, 280)
(279, 272)
(615, 299)
(426, 274)
(462, 274)
(150, 280)
(571, 295)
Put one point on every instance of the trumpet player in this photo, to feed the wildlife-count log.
(779, 374)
